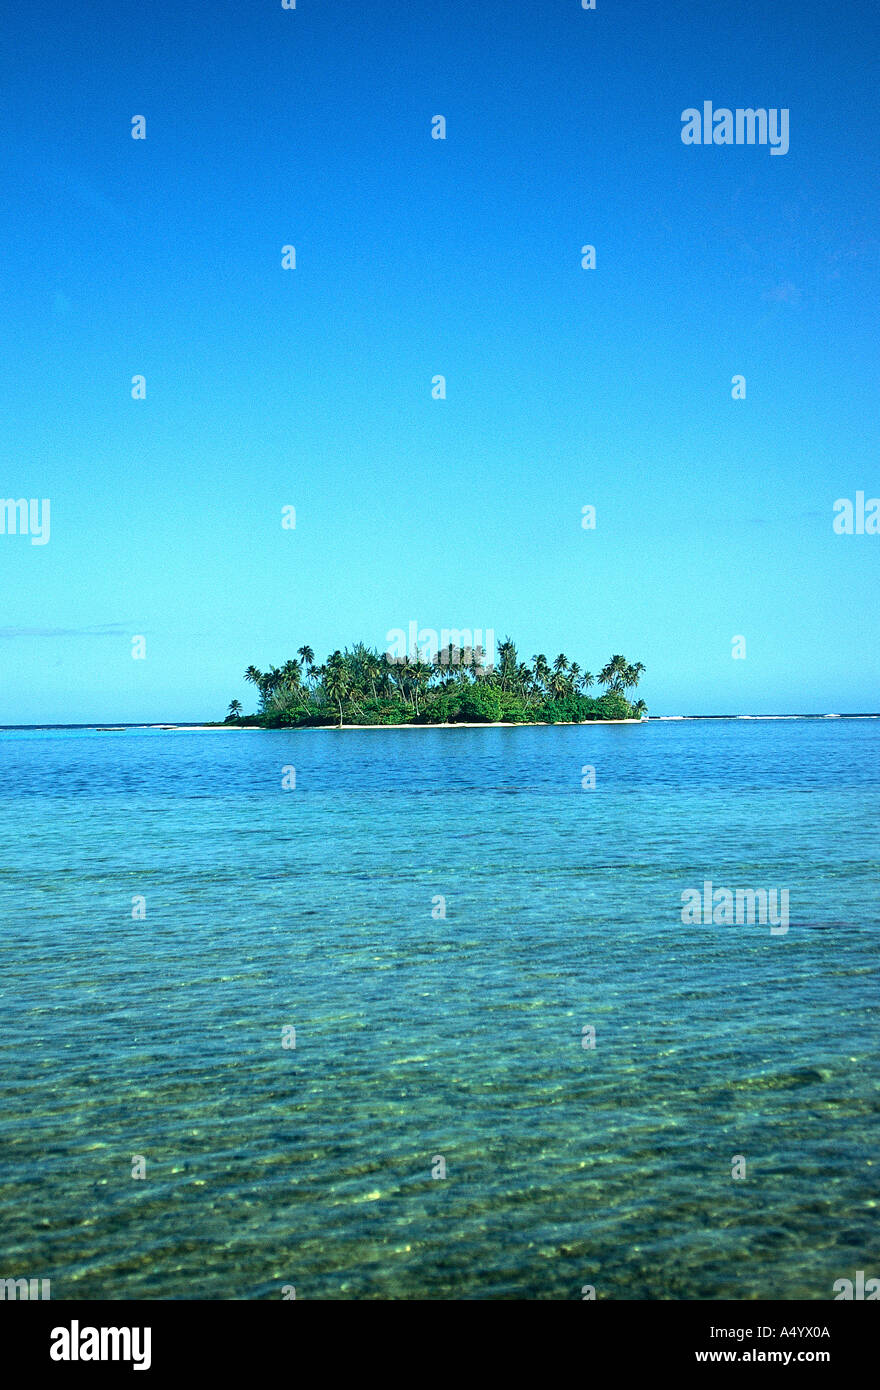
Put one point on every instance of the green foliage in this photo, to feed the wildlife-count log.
(482, 703)
(364, 686)
(380, 712)
(515, 710)
(571, 709)
(614, 706)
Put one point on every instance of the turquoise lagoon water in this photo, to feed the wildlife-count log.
(419, 1037)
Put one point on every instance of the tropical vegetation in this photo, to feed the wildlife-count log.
(363, 686)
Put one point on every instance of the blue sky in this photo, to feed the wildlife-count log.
(415, 257)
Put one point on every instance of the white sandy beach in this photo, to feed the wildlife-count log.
(321, 728)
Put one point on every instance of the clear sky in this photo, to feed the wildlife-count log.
(415, 257)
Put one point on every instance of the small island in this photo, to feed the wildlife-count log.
(362, 686)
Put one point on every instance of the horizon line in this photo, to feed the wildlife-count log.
(648, 719)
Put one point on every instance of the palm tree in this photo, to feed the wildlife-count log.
(362, 663)
(337, 681)
(395, 674)
(613, 674)
(450, 657)
(373, 671)
(268, 684)
(508, 663)
(307, 657)
(290, 688)
(234, 711)
(631, 675)
(525, 681)
(640, 709)
(317, 674)
(558, 683)
(421, 675)
(541, 669)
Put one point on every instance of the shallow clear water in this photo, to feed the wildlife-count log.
(419, 1037)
